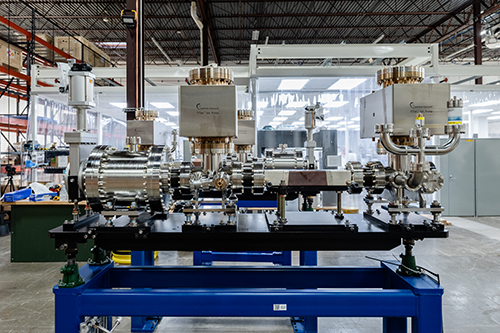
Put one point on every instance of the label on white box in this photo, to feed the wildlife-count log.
(279, 307)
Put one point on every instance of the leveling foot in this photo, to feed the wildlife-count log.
(71, 275)
(99, 257)
(408, 265)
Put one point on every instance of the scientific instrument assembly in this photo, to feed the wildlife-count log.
(141, 199)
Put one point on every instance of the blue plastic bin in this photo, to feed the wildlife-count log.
(42, 196)
(17, 195)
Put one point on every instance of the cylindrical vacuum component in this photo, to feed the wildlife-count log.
(114, 179)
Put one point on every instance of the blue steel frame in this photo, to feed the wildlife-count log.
(206, 258)
(143, 324)
(278, 291)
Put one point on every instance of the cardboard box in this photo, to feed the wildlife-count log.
(59, 161)
(11, 56)
(42, 50)
(11, 160)
(93, 55)
(74, 46)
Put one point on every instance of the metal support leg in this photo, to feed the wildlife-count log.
(143, 324)
(429, 319)
(308, 258)
(197, 258)
(67, 317)
(287, 258)
(395, 325)
(306, 324)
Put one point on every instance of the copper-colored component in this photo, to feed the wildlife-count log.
(243, 148)
(211, 76)
(403, 140)
(220, 183)
(204, 145)
(400, 74)
(245, 114)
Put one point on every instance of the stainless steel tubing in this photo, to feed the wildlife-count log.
(391, 147)
(81, 118)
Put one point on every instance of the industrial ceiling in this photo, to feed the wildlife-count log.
(232, 22)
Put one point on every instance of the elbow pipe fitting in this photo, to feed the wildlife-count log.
(385, 131)
(415, 181)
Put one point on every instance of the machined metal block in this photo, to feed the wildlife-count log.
(400, 103)
(246, 132)
(151, 132)
(208, 111)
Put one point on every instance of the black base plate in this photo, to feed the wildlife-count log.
(305, 231)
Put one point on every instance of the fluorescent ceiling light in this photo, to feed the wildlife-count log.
(280, 118)
(275, 123)
(173, 113)
(350, 122)
(255, 35)
(341, 129)
(296, 104)
(341, 123)
(335, 104)
(334, 118)
(355, 119)
(292, 84)
(301, 118)
(481, 111)
(297, 123)
(163, 105)
(286, 112)
(346, 84)
(260, 113)
(494, 117)
(496, 112)
(487, 103)
(353, 126)
(119, 105)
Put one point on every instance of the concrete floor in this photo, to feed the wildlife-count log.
(467, 261)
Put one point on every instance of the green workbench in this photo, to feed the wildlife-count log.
(30, 224)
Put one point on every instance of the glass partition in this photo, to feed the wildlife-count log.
(481, 110)
(281, 103)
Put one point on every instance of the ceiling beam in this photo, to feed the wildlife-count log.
(442, 20)
(236, 15)
(487, 12)
(207, 20)
(396, 27)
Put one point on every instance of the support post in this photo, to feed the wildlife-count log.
(143, 324)
(135, 59)
(306, 324)
(204, 45)
(478, 46)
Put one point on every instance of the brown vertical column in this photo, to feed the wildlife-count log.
(478, 46)
(205, 44)
(135, 59)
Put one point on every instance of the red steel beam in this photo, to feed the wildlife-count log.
(21, 76)
(14, 73)
(13, 86)
(37, 39)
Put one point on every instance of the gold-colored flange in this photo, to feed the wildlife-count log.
(211, 76)
(400, 74)
(223, 145)
(245, 114)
